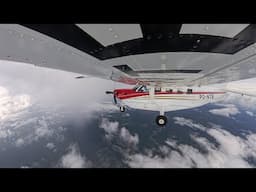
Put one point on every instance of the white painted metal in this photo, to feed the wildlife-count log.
(174, 60)
(151, 92)
(165, 103)
(108, 34)
(225, 30)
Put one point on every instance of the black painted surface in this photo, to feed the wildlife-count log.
(159, 31)
(128, 70)
(171, 71)
(156, 38)
(69, 34)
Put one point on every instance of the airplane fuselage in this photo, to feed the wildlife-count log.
(166, 100)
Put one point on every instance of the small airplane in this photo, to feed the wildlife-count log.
(171, 66)
(163, 99)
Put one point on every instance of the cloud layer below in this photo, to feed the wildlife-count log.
(74, 159)
(227, 111)
(10, 105)
(230, 150)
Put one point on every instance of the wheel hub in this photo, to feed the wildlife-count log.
(161, 121)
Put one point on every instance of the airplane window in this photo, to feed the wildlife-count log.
(189, 91)
(158, 89)
(136, 87)
(143, 89)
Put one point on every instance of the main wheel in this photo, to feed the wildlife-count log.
(161, 120)
(122, 109)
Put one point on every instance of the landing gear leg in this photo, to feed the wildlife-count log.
(161, 120)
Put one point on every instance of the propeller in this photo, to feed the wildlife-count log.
(114, 96)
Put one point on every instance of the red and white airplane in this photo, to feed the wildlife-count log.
(169, 65)
(163, 99)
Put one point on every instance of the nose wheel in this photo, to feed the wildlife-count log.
(122, 109)
(161, 120)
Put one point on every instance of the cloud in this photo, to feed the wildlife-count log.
(188, 122)
(246, 102)
(54, 92)
(50, 87)
(228, 111)
(128, 138)
(21, 124)
(20, 142)
(230, 151)
(172, 160)
(249, 113)
(73, 159)
(43, 129)
(37, 103)
(62, 89)
(4, 133)
(10, 105)
(50, 146)
(25, 122)
(24, 167)
(112, 129)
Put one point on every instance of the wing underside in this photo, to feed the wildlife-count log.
(184, 54)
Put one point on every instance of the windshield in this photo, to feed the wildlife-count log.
(143, 88)
(136, 87)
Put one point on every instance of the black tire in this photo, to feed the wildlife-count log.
(161, 120)
(122, 109)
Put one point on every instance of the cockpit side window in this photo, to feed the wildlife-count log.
(136, 87)
(143, 88)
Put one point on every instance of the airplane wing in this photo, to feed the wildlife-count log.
(173, 54)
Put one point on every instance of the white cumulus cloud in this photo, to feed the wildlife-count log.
(112, 129)
(188, 122)
(249, 113)
(10, 105)
(20, 142)
(50, 146)
(73, 159)
(43, 129)
(247, 102)
(128, 137)
(231, 151)
(109, 126)
(228, 111)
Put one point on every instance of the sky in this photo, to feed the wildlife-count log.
(51, 86)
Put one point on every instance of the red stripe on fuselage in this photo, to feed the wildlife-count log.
(129, 94)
